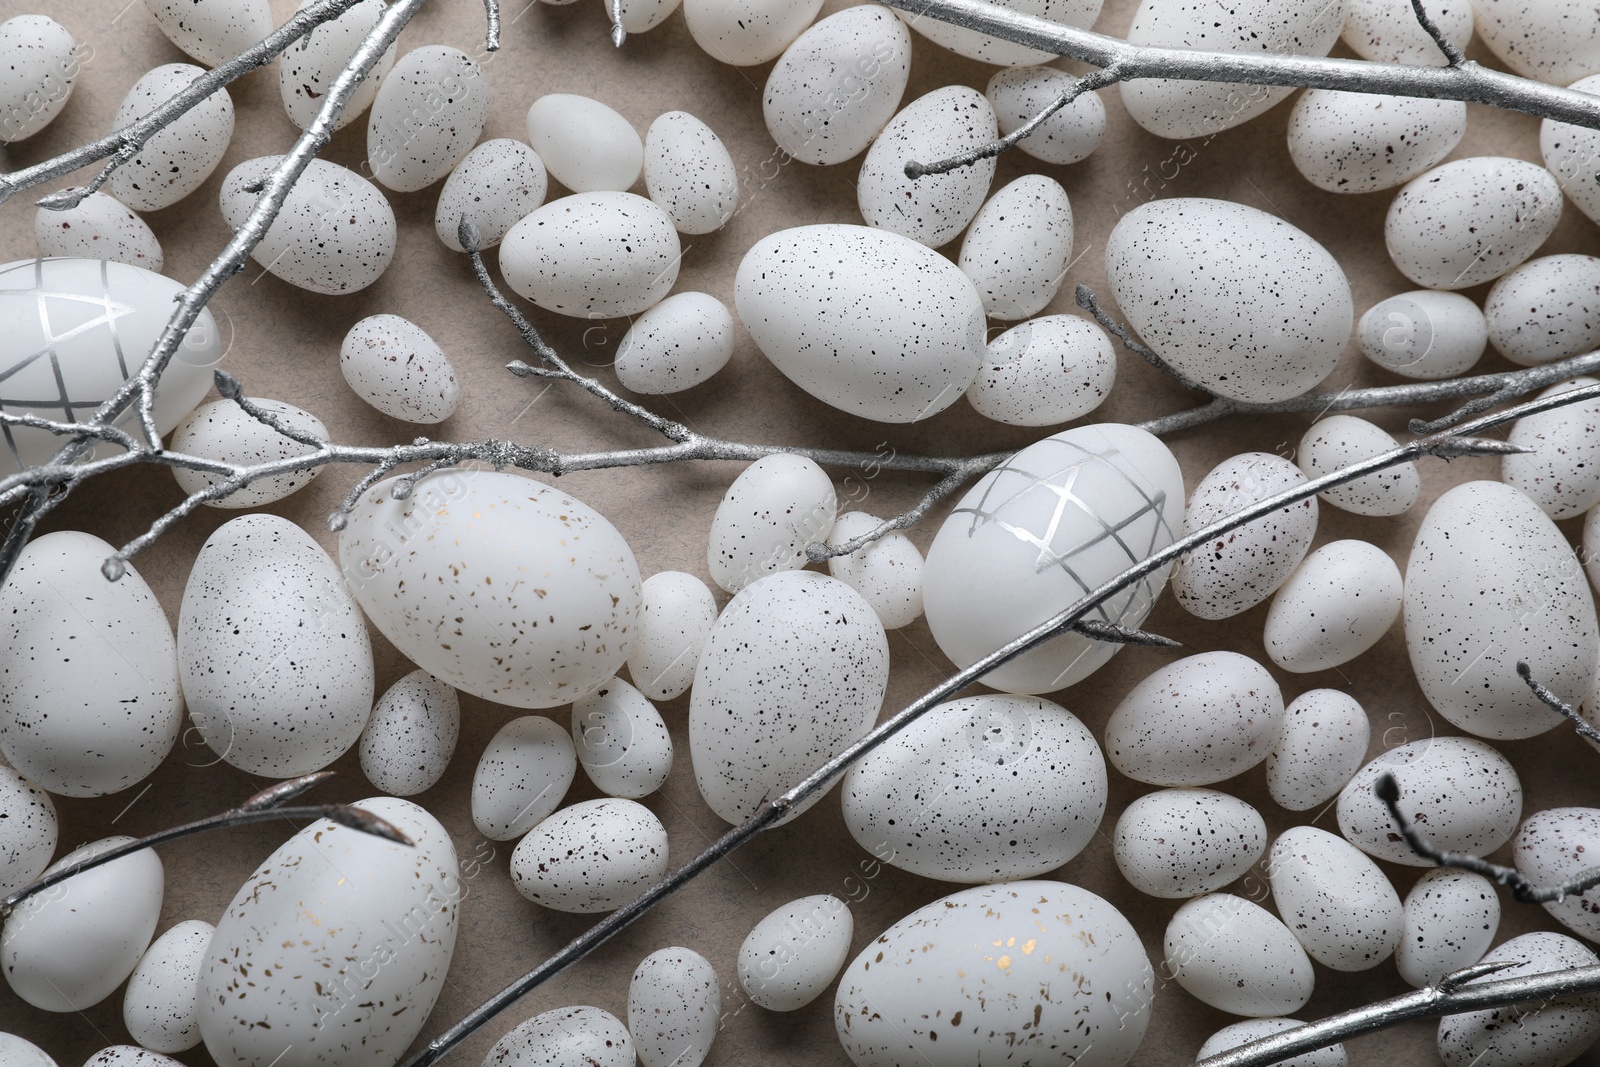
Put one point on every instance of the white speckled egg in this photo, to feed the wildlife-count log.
(522, 777)
(68, 948)
(1545, 310)
(1199, 720)
(689, 173)
(309, 66)
(593, 255)
(1471, 220)
(1459, 791)
(1184, 842)
(16, 1052)
(1427, 333)
(396, 367)
(494, 185)
(934, 208)
(976, 977)
(212, 31)
(775, 508)
(1334, 607)
(621, 741)
(795, 669)
(676, 345)
(542, 595)
(1322, 743)
(223, 431)
(587, 146)
(1387, 31)
(640, 16)
(795, 952)
(838, 84)
(89, 693)
(986, 49)
(101, 227)
(743, 33)
(1339, 441)
(28, 831)
(674, 1008)
(887, 572)
(1237, 957)
(1451, 917)
(1361, 142)
(1545, 1034)
(819, 300)
(1561, 469)
(1068, 136)
(1556, 41)
(356, 986)
(1243, 567)
(411, 736)
(594, 856)
(675, 618)
(335, 234)
(38, 70)
(984, 789)
(1189, 273)
(1236, 1034)
(1017, 249)
(177, 160)
(1045, 371)
(129, 1056)
(1492, 581)
(1334, 899)
(1570, 153)
(159, 1007)
(1555, 845)
(566, 1037)
(427, 115)
(1011, 554)
(273, 652)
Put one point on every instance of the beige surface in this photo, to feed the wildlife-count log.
(284, 345)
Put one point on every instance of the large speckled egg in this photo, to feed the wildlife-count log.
(309, 66)
(1451, 917)
(1321, 745)
(674, 1008)
(100, 227)
(1471, 220)
(521, 777)
(1339, 603)
(27, 833)
(178, 159)
(1544, 1034)
(1336, 901)
(160, 1008)
(408, 742)
(566, 1037)
(934, 208)
(1554, 846)
(594, 856)
(1361, 142)
(223, 431)
(495, 584)
(212, 31)
(977, 977)
(792, 954)
(494, 185)
(593, 255)
(689, 173)
(428, 114)
(1237, 957)
(1186, 842)
(38, 69)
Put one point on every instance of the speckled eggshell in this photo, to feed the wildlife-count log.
(818, 301)
(621, 741)
(566, 1037)
(1555, 845)
(593, 255)
(1426, 334)
(1238, 1033)
(1322, 743)
(28, 830)
(1017, 249)
(674, 1008)
(1196, 721)
(309, 66)
(542, 596)
(1334, 899)
(355, 987)
(838, 84)
(1186, 109)
(1492, 581)
(1541, 1034)
(982, 584)
(1387, 31)
(689, 173)
(335, 233)
(274, 654)
(676, 345)
(983, 789)
(522, 777)
(640, 16)
(1189, 273)
(1360, 142)
(38, 70)
(394, 365)
(1555, 41)
(495, 184)
(1570, 153)
(212, 31)
(1336, 605)
(1045, 371)
(1561, 469)
(89, 690)
(987, 49)
(887, 572)
(1463, 793)
(101, 227)
(587, 146)
(591, 857)
(1185, 842)
(129, 1056)
(775, 508)
(177, 160)
(1068, 136)
(1339, 441)
(1237, 957)
(934, 208)
(1241, 568)
(675, 618)
(976, 977)
(1451, 917)
(795, 669)
(1471, 220)
(159, 1007)
(795, 952)
(67, 949)
(743, 33)
(222, 430)
(1545, 310)
(427, 115)
(408, 742)
(16, 1052)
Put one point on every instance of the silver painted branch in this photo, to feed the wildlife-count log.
(1556, 704)
(491, 33)
(1452, 54)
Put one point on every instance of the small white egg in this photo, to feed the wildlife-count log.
(886, 572)
(689, 173)
(1451, 917)
(1554, 846)
(593, 255)
(1346, 142)
(428, 114)
(795, 952)
(309, 66)
(1526, 1035)
(1068, 136)
(1338, 441)
(1323, 741)
(594, 856)
(28, 831)
(394, 365)
(1236, 1034)
(675, 618)
(1427, 334)
(1387, 31)
(1019, 244)
(1045, 371)
(676, 345)
(1334, 899)
(587, 146)
(159, 1007)
(934, 208)
(494, 185)
(674, 1008)
(566, 1037)
(775, 508)
(1471, 220)
(522, 777)
(101, 227)
(621, 741)
(39, 66)
(1560, 471)
(223, 431)
(1186, 842)
(1339, 603)
(1545, 310)
(179, 158)
(408, 742)
(1237, 957)
(743, 33)
(212, 31)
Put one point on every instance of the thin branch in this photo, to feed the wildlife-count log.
(818, 552)
(1453, 55)
(1556, 704)
(1117, 634)
(228, 386)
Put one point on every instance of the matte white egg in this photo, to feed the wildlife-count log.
(1019, 244)
(566, 1037)
(27, 833)
(775, 508)
(1551, 1032)
(309, 66)
(1569, 151)
(1185, 842)
(1339, 441)
(522, 777)
(622, 742)
(159, 1008)
(886, 572)
(39, 66)
(1451, 917)
(1336, 605)
(674, 1008)
(212, 31)
(689, 173)
(795, 952)
(223, 431)
(1560, 471)
(1237, 957)
(934, 208)
(428, 114)
(640, 16)
(743, 33)
(676, 614)
(587, 146)
(1387, 31)
(1236, 1034)
(987, 49)
(1320, 747)
(408, 742)
(593, 856)
(394, 365)
(1045, 371)
(1555, 845)
(1545, 310)
(1362, 142)
(593, 255)
(494, 185)
(178, 159)
(676, 345)
(1427, 333)
(1018, 94)
(1334, 899)
(20, 1053)
(129, 1056)
(100, 227)
(1556, 41)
